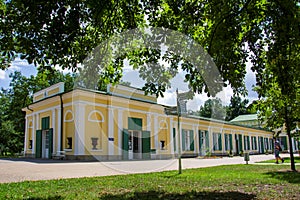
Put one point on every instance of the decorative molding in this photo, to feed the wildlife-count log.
(94, 120)
(68, 120)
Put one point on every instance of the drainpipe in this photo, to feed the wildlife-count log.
(61, 122)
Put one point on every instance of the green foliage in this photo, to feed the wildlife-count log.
(213, 108)
(232, 32)
(18, 96)
(236, 107)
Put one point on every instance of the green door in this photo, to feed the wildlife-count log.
(241, 143)
(146, 145)
(174, 138)
(50, 143)
(125, 145)
(38, 144)
(192, 146)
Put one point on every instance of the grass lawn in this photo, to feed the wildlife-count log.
(222, 182)
(286, 160)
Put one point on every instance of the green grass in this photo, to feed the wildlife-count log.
(286, 160)
(222, 182)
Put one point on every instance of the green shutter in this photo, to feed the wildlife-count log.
(146, 145)
(240, 142)
(248, 141)
(200, 139)
(183, 139)
(135, 123)
(50, 142)
(174, 138)
(226, 141)
(45, 123)
(38, 144)
(220, 141)
(125, 144)
(192, 140)
(230, 142)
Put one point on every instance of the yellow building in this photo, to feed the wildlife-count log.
(122, 123)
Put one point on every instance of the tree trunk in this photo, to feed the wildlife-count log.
(288, 131)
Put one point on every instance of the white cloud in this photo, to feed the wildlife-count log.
(2, 74)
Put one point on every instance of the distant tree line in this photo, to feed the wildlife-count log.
(213, 108)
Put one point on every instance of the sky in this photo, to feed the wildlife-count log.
(133, 77)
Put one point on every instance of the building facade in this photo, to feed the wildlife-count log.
(123, 124)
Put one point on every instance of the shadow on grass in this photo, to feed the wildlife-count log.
(289, 176)
(47, 198)
(152, 195)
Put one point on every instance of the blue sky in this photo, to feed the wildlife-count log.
(132, 76)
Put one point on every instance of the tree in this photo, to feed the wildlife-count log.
(213, 108)
(236, 107)
(64, 32)
(278, 82)
(232, 32)
(19, 95)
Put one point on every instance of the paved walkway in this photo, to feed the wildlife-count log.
(16, 170)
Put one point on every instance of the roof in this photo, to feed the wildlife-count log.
(249, 117)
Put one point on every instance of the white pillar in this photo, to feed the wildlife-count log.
(54, 130)
(59, 129)
(26, 134)
(110, 131)
(79, 129)
(223, 140)
(120, 130)
(196, 139)
(35, 126)
(148, 127)
(171, 136)
(156, 126)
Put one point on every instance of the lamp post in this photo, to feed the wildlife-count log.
(178, 133)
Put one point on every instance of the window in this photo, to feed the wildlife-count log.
(162, 144)
(266, 144)
(187, 140)
(217, 141)
(69, 142)
(254, 143)
(228, 142)
(246, 143)
(30, 144)
(271, 143)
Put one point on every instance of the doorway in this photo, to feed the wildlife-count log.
(45, 144)
(134, 145)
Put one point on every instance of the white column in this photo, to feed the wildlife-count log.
(59, 128)
(171, 136)
(156, 126)
(79, 129)
(120, 131)
(223, 140)
(54, 129)
(26, 135)
(148, 127)
(196, 139)
(110, 131)
(35, 126)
